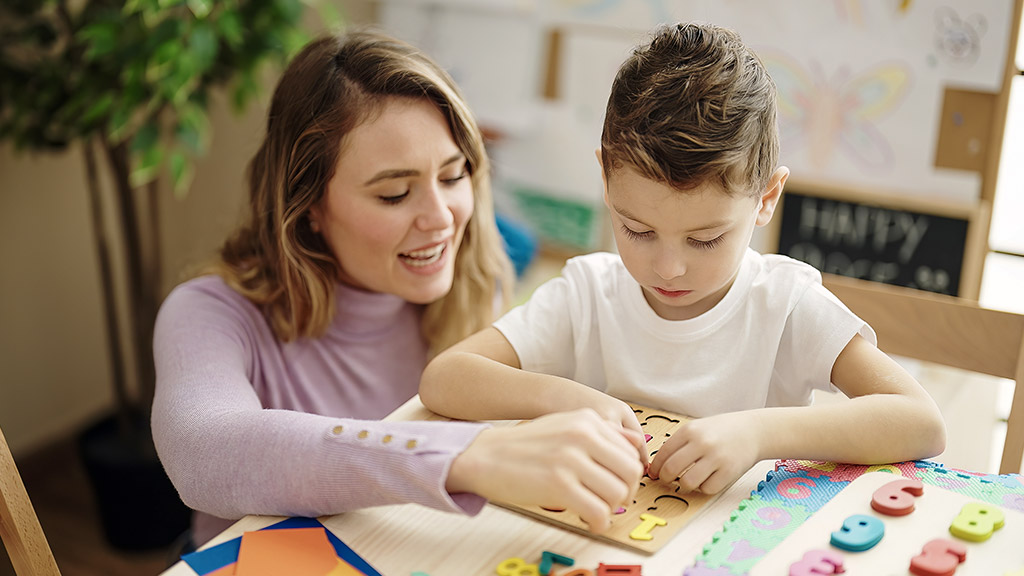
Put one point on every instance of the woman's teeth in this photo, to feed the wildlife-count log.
(423, 257)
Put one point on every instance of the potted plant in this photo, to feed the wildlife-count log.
(129, 82)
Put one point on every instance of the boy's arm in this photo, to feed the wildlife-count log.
(889, 418)
(480, 379)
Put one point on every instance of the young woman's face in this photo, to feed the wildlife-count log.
(396, 209)
(684, 248)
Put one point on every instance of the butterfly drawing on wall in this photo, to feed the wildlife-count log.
(822, 114)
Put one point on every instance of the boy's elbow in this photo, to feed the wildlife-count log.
(431, 382)
(937, 437)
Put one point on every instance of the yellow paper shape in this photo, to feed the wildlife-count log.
(292, 551)
(344, 569)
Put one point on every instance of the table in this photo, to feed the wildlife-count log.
(401, 539)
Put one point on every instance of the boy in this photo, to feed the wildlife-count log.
(687, 317)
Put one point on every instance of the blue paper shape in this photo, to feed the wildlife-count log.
(219, 556)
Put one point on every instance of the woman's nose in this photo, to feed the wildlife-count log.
(435, 214)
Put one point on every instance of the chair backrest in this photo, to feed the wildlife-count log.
(948, 331)
(19, 527)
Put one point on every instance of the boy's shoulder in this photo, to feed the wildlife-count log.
(593, 265)
(781, 266)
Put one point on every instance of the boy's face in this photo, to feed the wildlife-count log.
(684, 247)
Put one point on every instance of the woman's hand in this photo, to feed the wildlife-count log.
(573, 460)
(709, 454)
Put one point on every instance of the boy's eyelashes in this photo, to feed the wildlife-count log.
(701, 244)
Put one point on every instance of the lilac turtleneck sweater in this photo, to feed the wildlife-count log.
(245, 424)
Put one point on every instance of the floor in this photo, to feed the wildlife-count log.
(61, 495)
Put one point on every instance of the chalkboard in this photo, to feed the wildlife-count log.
(872, 242)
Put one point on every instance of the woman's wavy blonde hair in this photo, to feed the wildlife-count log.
(278, 262)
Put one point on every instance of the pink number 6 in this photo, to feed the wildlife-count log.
(897, 497)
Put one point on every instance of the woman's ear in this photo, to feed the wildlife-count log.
(314, 216)
(771, 196)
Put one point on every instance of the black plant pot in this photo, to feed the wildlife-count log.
(139, 507)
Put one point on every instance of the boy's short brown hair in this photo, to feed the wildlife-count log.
(691, 105)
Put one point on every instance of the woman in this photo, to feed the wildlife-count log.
(369, 246)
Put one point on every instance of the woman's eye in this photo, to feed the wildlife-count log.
(634, 235)
(456, 178)
(706, 244)
(393, 199)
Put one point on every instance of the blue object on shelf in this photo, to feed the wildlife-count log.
(520, 243)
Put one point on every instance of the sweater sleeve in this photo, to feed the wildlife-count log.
(228, 456)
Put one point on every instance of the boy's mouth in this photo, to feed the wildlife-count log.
(672, 293)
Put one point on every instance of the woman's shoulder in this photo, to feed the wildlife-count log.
(208, 297)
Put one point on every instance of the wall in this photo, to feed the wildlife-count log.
(55, 371)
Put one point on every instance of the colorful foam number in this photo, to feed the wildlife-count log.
(897, 497)
(938, 557)
(547, 559)
(579, 572)
(619, 570)
(859, 532)
(817, 563)
(796, 488)
(977, 521)
(517, 567)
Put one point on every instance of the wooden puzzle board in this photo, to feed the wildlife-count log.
(655, 497)
(935, 509)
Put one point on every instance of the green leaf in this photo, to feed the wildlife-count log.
(182, 173)
(100, 39)
(193, 130)
(200, 8)
(230, 27)
(147, 137)
(146, 164)
(98, 109)
(202, 42)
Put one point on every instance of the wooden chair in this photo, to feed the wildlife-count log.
(19, 527)
(948, 331)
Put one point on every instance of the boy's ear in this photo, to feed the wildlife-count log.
(771, 195)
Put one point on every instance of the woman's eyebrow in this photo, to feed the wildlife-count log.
(406, 172)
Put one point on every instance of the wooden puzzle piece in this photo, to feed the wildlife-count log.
(662, 498)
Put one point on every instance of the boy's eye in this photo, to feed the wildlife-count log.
(634, 235)
(393, 199)
(705, 244)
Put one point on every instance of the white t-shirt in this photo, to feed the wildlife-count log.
(771, 340)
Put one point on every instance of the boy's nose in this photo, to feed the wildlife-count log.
(435, 214)
(669, 264)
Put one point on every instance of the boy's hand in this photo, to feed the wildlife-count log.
(708, 454)
(574, 460)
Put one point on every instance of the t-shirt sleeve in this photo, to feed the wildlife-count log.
(229, 456)
(541, 330)
(816, 332)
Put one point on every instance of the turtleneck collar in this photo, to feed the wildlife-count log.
(361, 312)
